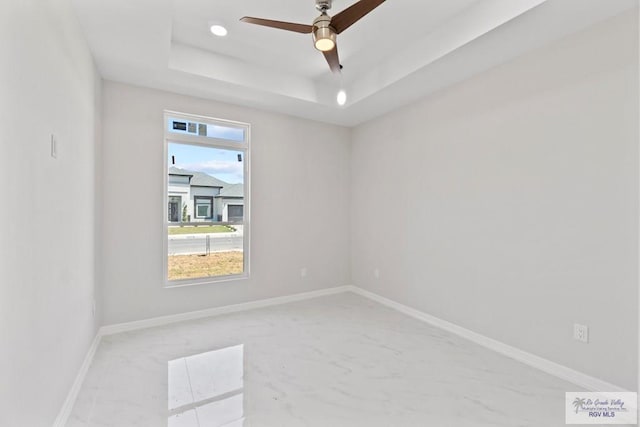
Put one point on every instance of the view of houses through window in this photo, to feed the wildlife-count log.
(206, 200)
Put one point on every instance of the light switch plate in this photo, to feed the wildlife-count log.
(54, 146)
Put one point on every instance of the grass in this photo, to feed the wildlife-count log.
(201, 229)
(215, 264)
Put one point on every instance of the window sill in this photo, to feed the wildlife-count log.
(204, 281)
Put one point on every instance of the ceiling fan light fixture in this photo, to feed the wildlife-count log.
(324, 36)
(324, 39)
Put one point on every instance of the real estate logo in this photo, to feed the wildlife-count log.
(601, 408)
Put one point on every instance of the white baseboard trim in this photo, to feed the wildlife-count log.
(165, 320)
(578, 378)
(67, 406)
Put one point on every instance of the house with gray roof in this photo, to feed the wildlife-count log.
(199, 197)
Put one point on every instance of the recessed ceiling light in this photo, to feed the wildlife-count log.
(342, 97)
(218, 30)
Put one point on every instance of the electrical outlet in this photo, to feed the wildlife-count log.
(376, 273)
(303, 272)
(581, 333)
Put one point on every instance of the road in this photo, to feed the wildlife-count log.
(196, 244)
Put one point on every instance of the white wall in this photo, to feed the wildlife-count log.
(301, 162)
(48, 84)
(515, 202)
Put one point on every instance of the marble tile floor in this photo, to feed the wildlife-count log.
(340, 360)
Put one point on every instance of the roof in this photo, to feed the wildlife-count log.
(198, 179)
(232, 190)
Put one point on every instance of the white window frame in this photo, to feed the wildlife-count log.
(205, 141)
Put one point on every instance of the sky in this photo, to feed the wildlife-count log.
(220, 163)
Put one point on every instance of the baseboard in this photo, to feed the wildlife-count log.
(578, 378)
(165, 320)
(67, 406)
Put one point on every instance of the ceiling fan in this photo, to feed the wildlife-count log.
(324, 28)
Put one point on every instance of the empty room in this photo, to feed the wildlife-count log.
(332, 213)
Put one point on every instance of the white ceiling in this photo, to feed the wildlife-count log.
(403, 50)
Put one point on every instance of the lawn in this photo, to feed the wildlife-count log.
(201, 229)
(215, 264)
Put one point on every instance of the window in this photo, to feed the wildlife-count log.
(203, 207)
(206, 188)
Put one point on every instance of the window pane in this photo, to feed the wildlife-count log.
(204, 211)
(205, 191)
(208, 130)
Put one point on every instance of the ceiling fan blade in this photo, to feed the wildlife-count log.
(333, 60)
(353, 13)
(289, 26)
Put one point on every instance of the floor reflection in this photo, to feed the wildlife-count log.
(206, 389)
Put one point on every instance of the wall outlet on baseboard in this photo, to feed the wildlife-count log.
(303, 272)
(581, 333)
(376, 273)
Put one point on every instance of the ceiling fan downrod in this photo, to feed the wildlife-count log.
(323, 5)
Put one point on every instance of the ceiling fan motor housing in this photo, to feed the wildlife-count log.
(323, 33)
